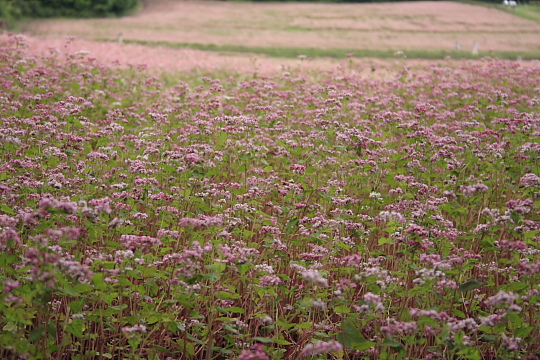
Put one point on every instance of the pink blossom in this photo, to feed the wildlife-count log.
(256, 353)
(314, 277)
(321, 347)
(270, 280)
(530, 180)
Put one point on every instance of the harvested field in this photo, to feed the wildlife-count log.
(430, 26)
(162, 59)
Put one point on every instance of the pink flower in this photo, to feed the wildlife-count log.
(314, 277)
(321, 347)
(270, 280)
(300, 169)
(529, 180)
(256, 353)
(134, 329)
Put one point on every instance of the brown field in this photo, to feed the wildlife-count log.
(159, 59)
(429, 26)
(389, 26)
(163, 59)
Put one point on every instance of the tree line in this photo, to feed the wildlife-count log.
(11, 10)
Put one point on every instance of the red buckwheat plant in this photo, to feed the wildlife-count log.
(315, 215)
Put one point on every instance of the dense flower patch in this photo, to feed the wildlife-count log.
(314, 215)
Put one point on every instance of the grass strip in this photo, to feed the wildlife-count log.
(286, 52)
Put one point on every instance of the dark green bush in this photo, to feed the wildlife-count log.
(12, 9)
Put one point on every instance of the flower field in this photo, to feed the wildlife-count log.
(316, 215)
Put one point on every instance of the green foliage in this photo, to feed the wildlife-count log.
(14, 9)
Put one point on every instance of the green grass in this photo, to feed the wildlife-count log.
(286, 52)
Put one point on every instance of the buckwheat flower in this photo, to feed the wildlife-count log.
(530, 180)
(445, 283)
(375, 195)
(8, 221)
(13, 299)
(76, 270)
(297, 168)
(467, 324)
(392, 215)
(267, 320)
(520, 206)
(318, 303)
(511, 343)
(124, 254)
(116, 222)
(48, 203)
(134, 242)
(101, 205)
(10, 285)
(321, 347)
(256, 353)
(399, 327)
(371, 298)
(502, 298)
(134, 329)
(164, 233)
(140, 216)
(482, 228)
(315, 278)
(8, 234)
(490, 320)
(270, 280)
(264, 268)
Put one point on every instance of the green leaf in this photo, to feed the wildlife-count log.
(149, 271)
(163, 349)
(383, 241)
(118, 307)
(281, 341)
(351, 338)
(7, 209)
(235, 309)
(75, 328)
(83, 288)
(489, 338)
(263, 340)
(515, 319)
(392, 343)
(153, 319)
(221, 139)
(458, 313)
(224, 295)
(523, 331)
(36, 334)
(98, 279)
(225, 319)
(188, 347)
(470, 285)
(217, 267)
(516, 217)
(470, 354)
(68, 292)
(291, 225)
(515, 286)
(342, 309)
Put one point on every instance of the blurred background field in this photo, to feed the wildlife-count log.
(425, 30)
